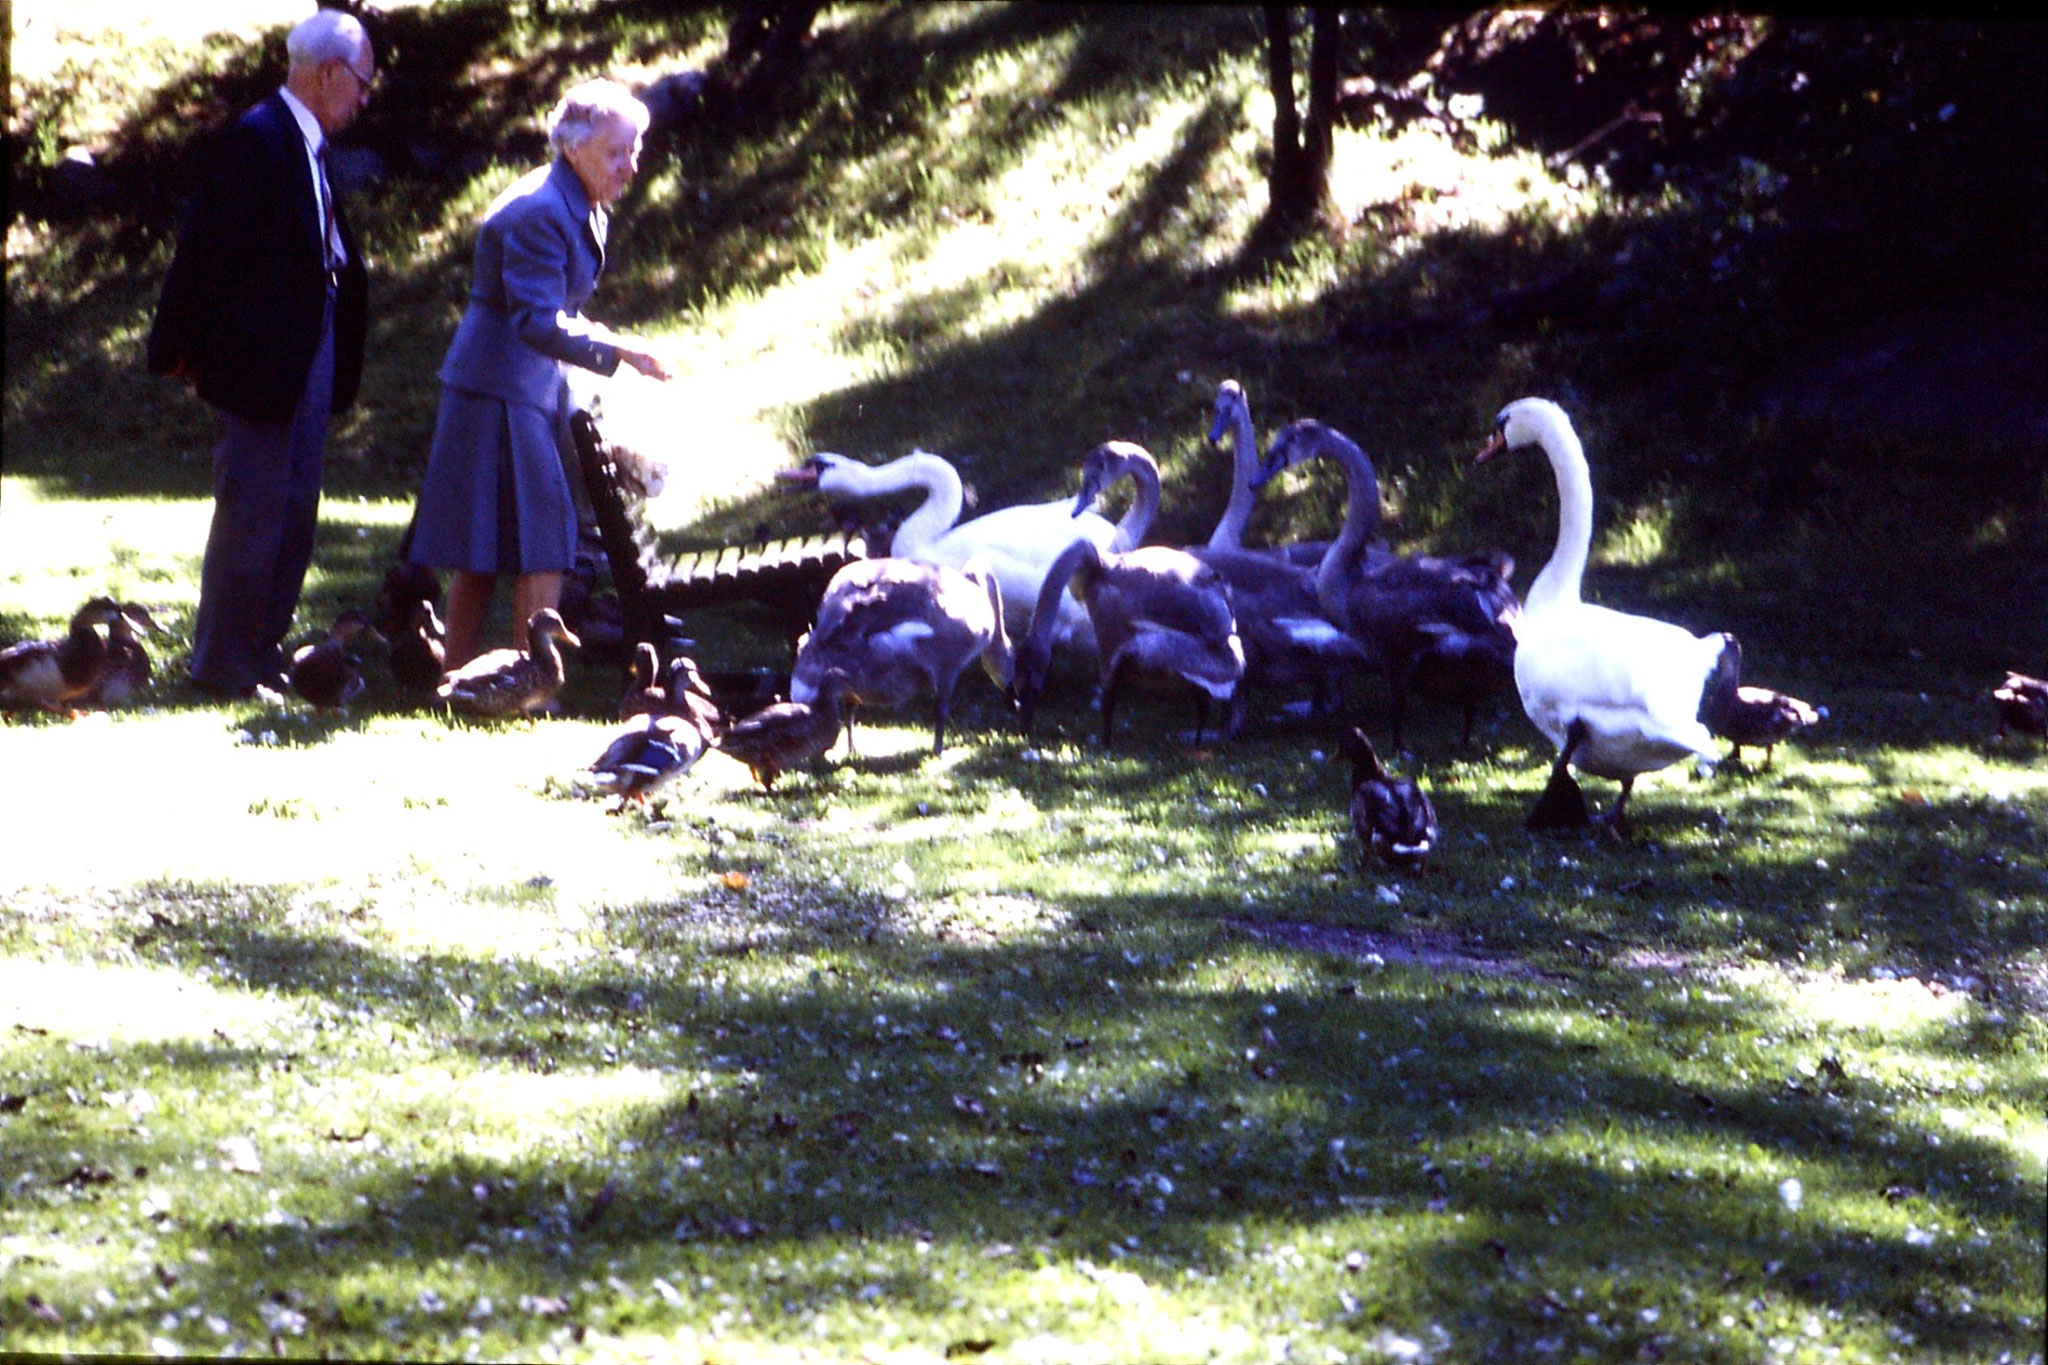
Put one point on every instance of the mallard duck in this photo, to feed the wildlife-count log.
(419, 648)
(1619, 694)
(647, 753)
(1756, 716)
(897, 629)
(643, 694)
(672, 689)
(54, 673)
(1392, 816)
(127, 669)
(1162, 619)
(689, 695)
(2022, 705)
(779, 737)
(328, 673)
(511, 682)
(1438, 625)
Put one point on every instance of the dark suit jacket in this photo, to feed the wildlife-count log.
(242, 303)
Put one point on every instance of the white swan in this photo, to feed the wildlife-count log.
(895, 629)
(1016, 544)
(1234, 419)
(1288, 640)
(1619, 694)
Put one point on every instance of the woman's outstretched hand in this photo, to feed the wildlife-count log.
(649, 363)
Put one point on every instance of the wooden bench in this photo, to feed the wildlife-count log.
(783, 578)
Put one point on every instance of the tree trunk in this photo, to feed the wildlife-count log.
(1300, 181)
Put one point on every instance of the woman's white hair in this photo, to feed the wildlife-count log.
(576, 119)
(324, 36)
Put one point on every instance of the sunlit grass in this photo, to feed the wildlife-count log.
(376, 1035)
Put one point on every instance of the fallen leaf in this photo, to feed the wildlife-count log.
(736, 881)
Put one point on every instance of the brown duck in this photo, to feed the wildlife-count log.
(418, 648)
(777, 738)
(54, 674)
(644, 695)
(1391, 816)
(1755, 716)
(329, 672)
(511, 682)
(2022, 705)
(128, 667)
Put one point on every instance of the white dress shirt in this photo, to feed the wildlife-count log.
(323, 193)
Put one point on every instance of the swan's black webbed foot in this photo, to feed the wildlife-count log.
(1562, 805)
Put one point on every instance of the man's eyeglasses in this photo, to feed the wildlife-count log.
(369, 82)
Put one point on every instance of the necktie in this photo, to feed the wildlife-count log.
(330, 237)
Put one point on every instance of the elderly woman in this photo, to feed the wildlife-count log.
(496, 497)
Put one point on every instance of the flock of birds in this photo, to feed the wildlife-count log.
(1618, 694)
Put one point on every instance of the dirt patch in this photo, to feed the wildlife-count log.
(1437, 952)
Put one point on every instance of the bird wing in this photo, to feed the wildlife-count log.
(1634, 680)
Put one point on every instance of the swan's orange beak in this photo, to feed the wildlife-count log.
(804, 474)
(1494, 446)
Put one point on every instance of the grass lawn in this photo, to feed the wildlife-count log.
(375, 1035)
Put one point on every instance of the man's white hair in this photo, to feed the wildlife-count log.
(325, 35)
(575, 120)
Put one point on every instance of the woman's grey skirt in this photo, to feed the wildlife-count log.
(496, 495)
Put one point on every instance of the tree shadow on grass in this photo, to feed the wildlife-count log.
(1439, 1121)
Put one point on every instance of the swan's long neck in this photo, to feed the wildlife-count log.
(1136, 521)
(1361, 516)
(1078, 558)
(997, 658)
(1237, 513)
(932, 518)
(1558, 582)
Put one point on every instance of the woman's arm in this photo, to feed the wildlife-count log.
(535, 272)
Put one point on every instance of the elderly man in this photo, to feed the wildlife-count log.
(263, 314)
